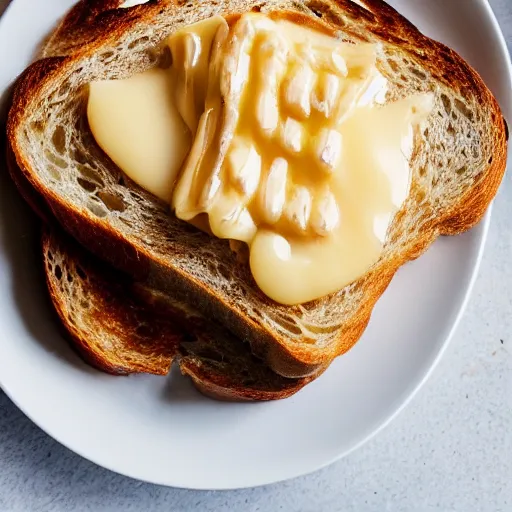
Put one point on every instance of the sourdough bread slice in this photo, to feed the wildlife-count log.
(457, 166)
(121, 328)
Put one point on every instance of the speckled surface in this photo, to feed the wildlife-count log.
(450, 450)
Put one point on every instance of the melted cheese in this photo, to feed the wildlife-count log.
(279, 136)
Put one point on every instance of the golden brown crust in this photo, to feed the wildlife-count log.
(116, 308)
(106, 324)
(93, 23)
(220, 387)
(384, 22)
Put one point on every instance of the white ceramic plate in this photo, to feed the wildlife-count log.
(159, 429)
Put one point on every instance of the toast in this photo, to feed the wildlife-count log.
(121, 327)
(457, 166)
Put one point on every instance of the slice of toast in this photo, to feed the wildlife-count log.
(122, 327)
(457, 166)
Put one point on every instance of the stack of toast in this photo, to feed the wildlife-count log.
(137, 289)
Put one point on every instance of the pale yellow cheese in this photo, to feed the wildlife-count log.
(135, 121)
(278, 135)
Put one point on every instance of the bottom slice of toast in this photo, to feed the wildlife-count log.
(121, 327)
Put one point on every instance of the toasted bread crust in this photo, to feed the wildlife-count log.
(111, 311)
(83, 32)
(221, 388)
(117, 308)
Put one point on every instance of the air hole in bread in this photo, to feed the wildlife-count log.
(87, 185)
(54, 172)
(420, 196)
(316, 12)
(112, 202)
(106, 56)
(417, 72)
(212, 267)
(321, 10)
(287, 324)
(463, 109)
(451, 130)
(257, 312)
(393, 64)
(139, 199)
(461, 170)
(447, 104)
(58, 272)
(37, 126)
(423, 171)
(63, 90)
(78, 157)
(90, 175)
(308, 306)
(490, 160)
(138, 42)
(59, 139)
(97, 210)
(316, 329)
(54, 159)
(224, 272)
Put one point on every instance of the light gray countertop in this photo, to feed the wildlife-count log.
(450, 450)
